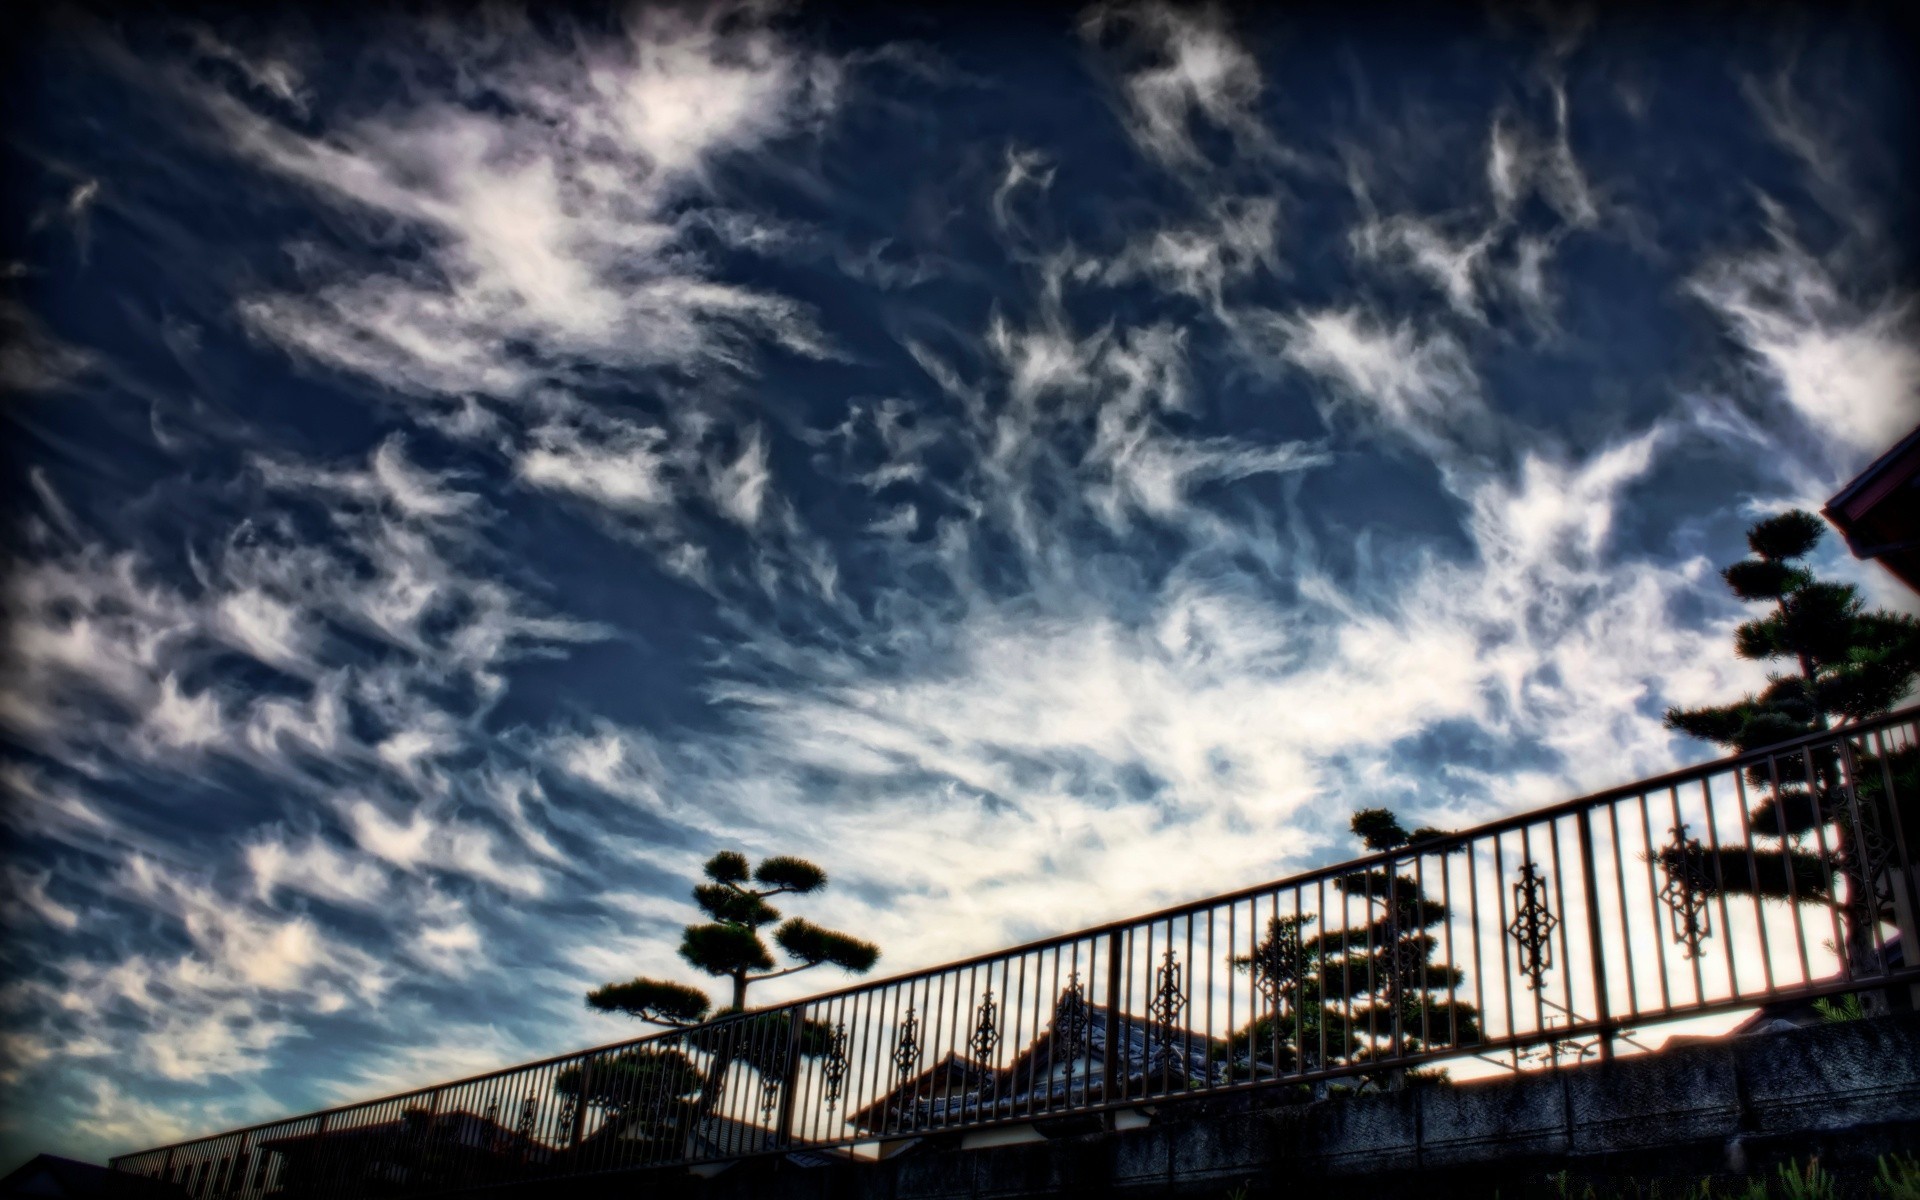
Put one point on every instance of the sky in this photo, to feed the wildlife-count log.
(1039, 464)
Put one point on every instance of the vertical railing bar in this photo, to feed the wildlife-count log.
(1112, 1054)
(956, 1040)
(1452, 964)
(1010, 1042)
(874, 1049)
(1092, 1000)
(1560, 898)
(1620, 895)
(1829, 864)
(1146, 1018)
(1053, 1034)
(1420, 917)
(1373, 983)
(933, 1031)
(1233, 1030)
(959, 1051)
(1596, 946)
(1906, 872)
(1299, 972)
(1753, 873)
(1500, 901)
(575, 1160)
(1699, 979)
(1860, 859)
(1212, 1071)
(1539, 994)
(1187, 1013)
(1320, 960)
(1123, 1027)
(790, 1086)
(1396, 938)
(1786, 867)
(1653, 905)
(919, 995)
(964, 1031)
(806, 1081)
(1253, 987)
(1016, 1093)
(888, 1081)
(1720, 882)
(1479, 937)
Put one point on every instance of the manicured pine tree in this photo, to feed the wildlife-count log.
(1844, 664)
(1341, 988)
(649, 1093)
(730, 946)
(1385, 971)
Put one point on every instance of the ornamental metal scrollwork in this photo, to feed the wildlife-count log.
(1533, 926)
(986, 1032)
(1169, 999)
(1686, 891)
(906, 1050)
(1071, 1026)
(833, 1067)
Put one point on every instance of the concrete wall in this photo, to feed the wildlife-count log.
(1846, 1092)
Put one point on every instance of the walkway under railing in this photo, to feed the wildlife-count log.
(1784, 874)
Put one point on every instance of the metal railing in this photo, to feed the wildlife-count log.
(1784, 874)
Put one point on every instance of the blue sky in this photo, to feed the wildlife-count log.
(466, 471)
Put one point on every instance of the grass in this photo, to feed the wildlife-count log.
(1896, 1177)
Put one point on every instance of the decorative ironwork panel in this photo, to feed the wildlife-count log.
(1683, 862)
(1533, 926)
(1072, 1029)
(986, 1031)
(906, 1050)
(1169, 998)
(833, 1066)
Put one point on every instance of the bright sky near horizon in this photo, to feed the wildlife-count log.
(1040, 466)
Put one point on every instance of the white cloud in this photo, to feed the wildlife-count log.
(26, 898)
(555, 226)
(32, 359)
(1398, 382)
(1846, 366)
(316, 867)
(424, 840)
(1422, 247)
(1237, 238)
(627, 473)
(1198, 71)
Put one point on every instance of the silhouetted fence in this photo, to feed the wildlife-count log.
(1544, 937)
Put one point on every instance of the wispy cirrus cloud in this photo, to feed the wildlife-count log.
(708, 432)
(546, 219)
(1843, 365)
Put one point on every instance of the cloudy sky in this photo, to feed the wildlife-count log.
(466, 471)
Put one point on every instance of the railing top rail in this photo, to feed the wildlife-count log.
(1350, 866)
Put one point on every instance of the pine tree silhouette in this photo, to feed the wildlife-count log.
(1848, 664)
(730, 946)
(1363, 991)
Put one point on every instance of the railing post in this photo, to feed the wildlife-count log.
(796, 1026)
(583, 1090)
(1111, 1071)
(1903, 872)
(1595, 943)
